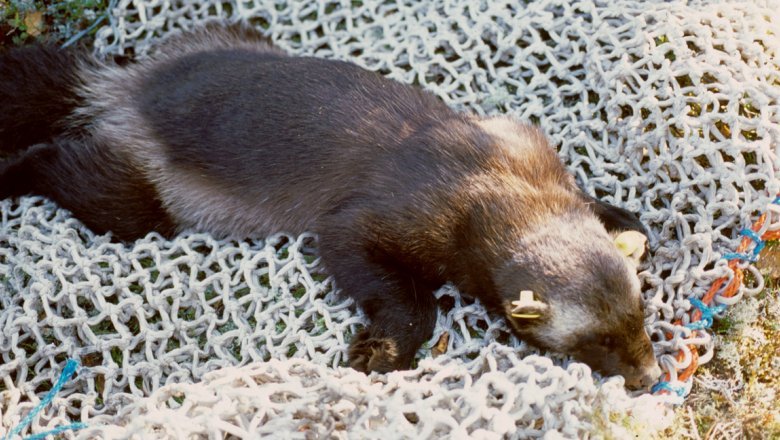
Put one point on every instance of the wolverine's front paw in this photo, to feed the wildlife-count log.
(368, 354)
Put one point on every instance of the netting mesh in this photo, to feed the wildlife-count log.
(669, 110)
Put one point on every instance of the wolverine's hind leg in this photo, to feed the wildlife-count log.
(38, 86)
(104, 190)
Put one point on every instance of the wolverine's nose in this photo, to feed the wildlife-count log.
(650, 376)
(645, 378)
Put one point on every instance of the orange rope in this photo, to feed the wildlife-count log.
(730, 290)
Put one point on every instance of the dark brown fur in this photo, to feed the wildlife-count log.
(221, 132)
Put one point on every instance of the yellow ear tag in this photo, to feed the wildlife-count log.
(523, 316)
(526, 299)
(631, 243)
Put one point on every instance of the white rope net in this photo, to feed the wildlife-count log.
(669, 110)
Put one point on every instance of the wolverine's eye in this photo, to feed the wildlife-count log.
(608, 341)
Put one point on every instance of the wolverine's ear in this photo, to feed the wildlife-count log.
(632, 245)
(527, 307)
(615, 219)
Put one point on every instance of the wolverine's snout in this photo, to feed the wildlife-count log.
(644, 377)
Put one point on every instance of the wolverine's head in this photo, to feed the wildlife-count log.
(582, 297)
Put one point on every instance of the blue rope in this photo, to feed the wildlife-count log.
(680, 391)
(707, 313)
(81, 34)
(756, 239)
(737, 256)
(93, 26)
(752, 256)
(752, 234)
(67, 373)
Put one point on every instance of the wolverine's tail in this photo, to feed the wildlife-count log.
(37, 91)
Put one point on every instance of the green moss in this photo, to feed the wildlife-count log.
(172, 344)
(210, 293)
(103, 328)
(136, 288)
(723, 326)
(116, 355)
(298, 292)
(25, 21)
(227, 327)
(86, 305)
(135, 326)
(319, 325)
(187, 314)
(260, 22)
(319, 277)
(29, 346)
(265, 280)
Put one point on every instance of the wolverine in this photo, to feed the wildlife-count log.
(218, 131)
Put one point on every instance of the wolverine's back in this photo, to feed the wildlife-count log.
(250, 133)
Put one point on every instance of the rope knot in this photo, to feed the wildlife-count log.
(707, 313)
